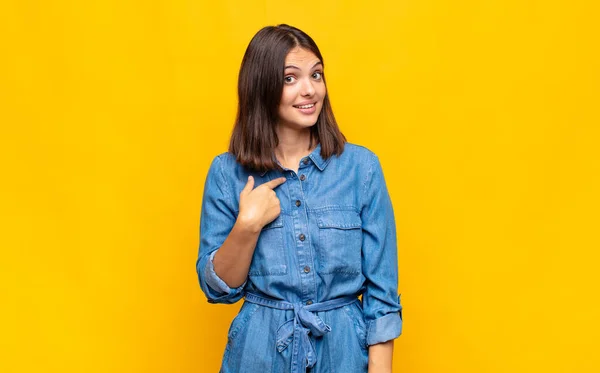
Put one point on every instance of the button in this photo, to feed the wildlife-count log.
(302, 177)
(298, 203)
(308, 302)
(306, 269)
(305, 161)
(302, 237)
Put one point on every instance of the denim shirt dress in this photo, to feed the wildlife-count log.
(334, 240)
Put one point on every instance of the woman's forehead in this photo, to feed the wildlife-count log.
(301, 57)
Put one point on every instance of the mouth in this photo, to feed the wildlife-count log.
(307, 106)
(307, 109)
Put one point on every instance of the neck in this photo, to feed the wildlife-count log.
(293, 144)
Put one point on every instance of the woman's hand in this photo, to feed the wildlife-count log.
(259, 206)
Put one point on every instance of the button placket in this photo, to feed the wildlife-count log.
(304, 251)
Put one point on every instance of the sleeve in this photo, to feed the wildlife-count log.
(216, 221)
(381, 302)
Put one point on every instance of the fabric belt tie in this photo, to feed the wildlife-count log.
(297, 330)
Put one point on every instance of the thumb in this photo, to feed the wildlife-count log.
(249, 185)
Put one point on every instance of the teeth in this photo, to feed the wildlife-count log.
(306, 106)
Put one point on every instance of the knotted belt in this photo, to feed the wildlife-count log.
(296, 330)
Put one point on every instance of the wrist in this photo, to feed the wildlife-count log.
(247, 225)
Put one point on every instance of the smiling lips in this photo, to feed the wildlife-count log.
(307, 108)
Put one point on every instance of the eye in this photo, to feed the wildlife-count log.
(317, 75)
(289, 79)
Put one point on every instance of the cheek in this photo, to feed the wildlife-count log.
(287, 97)
(322, 90)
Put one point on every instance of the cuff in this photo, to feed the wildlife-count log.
(218, 289)
(384, 328)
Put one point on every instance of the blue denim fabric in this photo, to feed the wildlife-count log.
(338, 241)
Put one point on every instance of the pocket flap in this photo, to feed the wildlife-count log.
(341, 219)
(277, 223)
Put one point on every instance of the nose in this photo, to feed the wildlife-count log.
(307, 88)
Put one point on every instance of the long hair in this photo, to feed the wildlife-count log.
(260, 86)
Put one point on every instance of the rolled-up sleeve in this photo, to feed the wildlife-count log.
(381, 301)
(217, 218)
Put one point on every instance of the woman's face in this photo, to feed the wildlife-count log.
(303, 90)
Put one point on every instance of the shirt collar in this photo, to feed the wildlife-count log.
(315, 156)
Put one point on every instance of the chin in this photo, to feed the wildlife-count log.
(302, 121)
(307, 123)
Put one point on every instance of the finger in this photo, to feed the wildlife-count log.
(249, 185)
(275, 182)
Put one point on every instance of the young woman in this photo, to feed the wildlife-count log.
(299, 223)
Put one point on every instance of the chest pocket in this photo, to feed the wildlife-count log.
(340, 241)
(269, 255)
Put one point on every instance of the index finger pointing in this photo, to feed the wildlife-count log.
(275, 182)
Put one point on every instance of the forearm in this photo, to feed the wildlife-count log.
(232, 260)
(380, 357)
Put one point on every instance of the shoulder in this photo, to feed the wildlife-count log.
(224, 162)
(225, 158)
(359, 153)
(222, 172)
(368, 165)
(221, 167)
(358, 149)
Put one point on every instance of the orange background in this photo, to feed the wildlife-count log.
(484, 114)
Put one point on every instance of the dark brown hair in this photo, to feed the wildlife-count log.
(260, 86)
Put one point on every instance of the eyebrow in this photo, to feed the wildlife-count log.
(296, 67)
